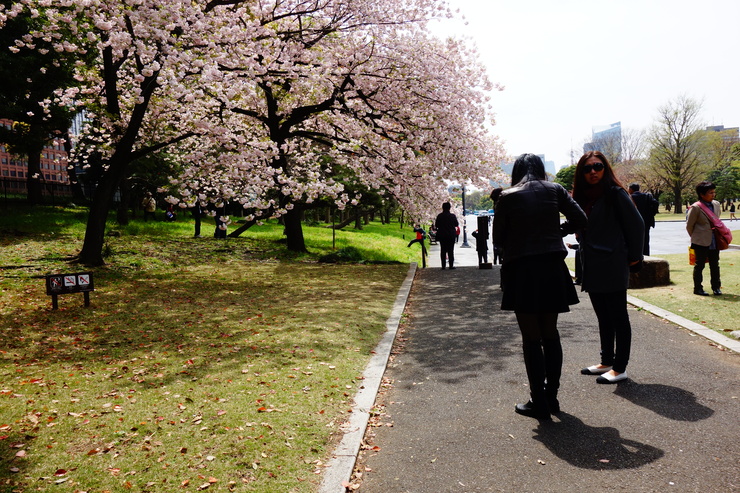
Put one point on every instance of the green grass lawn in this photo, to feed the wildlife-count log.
(201, 363)
(664, 215)
(716, 312)
(720, 313)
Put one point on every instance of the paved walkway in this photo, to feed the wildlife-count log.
(448, 422)
(672, 427)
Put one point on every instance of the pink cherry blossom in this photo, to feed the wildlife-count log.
(267, 103)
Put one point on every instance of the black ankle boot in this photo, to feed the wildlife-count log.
(532, 410)
(534, 361)
(553, 405)
(553, 366)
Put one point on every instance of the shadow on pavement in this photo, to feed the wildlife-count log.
(670, 402)
(461, 339)
(590, 447)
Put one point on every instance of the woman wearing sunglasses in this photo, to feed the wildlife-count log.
(527, 226)
(611, 245)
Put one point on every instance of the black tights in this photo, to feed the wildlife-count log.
(543, 354)
(536, 327)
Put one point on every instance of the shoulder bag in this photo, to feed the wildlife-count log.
(722, 234)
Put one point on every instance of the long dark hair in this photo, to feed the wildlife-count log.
(527, 167)
(579, 180)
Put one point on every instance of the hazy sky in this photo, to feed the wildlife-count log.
(570, 65)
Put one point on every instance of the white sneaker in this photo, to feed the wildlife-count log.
(595, 370)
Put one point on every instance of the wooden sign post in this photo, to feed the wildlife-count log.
(80, 282)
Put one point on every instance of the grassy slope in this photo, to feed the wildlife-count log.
(200, 362)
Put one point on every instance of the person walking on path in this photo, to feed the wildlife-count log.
(498, 257)
(611, 246)
(447, 226)
(647, 206)
(536, 282)
(732, 211)
(703, 242)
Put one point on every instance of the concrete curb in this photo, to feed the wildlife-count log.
(339, 468)
(694, 327)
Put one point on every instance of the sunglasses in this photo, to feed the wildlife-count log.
(595, 167)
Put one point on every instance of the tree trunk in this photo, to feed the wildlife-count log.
(294, 230)
(92, 247)
(358, 219)
(123, 206)
(35, 176)
(343, 224)
(677, 201)
(242, 228)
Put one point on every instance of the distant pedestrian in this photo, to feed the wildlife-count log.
(732, 211)
(699, 227)
(481, 245)
(170, 215)
(647, 206)
(447, 227)
(536, 282)
(611, 246)
(149, 204)
(498, 257)
(197, 212)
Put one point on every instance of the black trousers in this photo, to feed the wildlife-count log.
(614, 327)
(646, 246)
(447, 251)
(704, 255)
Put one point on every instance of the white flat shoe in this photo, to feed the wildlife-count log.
(608, 378)
(595, 370)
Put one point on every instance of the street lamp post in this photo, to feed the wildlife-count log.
(465, 232)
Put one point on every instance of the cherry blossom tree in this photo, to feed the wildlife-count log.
(263, 100)
(139, 64)
(362, 89)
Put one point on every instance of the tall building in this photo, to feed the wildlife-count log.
(607, 140)
(729, 135)
(14, 169)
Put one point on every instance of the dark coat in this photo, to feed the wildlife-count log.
(647, 206)
(446, 225)
(527, 219)
(611, 241)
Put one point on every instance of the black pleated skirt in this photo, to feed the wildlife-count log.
(537, 284)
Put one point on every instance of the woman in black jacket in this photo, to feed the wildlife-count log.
(611, 245)
(536, 282)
